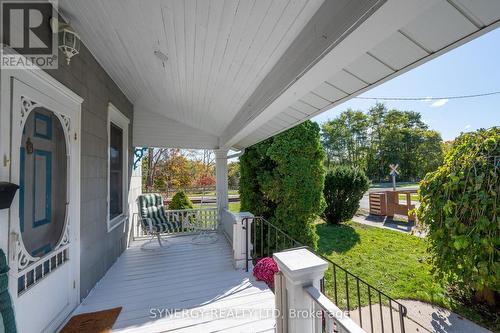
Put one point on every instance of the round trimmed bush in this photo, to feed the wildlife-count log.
(344, 188)
(180, 201)
(460, 208)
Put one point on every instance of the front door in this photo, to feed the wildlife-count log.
(44, 217)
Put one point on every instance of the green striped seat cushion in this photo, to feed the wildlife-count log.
(7, 318)
(151, 207)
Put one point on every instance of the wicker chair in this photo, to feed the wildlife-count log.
(153, 218)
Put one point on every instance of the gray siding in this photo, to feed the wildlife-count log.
(99, 249)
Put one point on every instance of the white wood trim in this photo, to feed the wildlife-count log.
(44, 76)
(120, 120)
(53, 95)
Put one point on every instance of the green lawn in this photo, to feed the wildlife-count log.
(208, 193)
(392, 261)
(234, 207)
(414, 197)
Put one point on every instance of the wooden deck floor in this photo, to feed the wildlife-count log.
(197, 284)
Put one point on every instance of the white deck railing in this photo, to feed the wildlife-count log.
(199, 219)
(335, 319)
(300, 304)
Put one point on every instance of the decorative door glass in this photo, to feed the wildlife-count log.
(43, 182)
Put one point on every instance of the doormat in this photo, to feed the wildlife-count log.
(92, 322)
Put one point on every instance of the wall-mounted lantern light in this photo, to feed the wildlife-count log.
(7, 193)
(69, 41)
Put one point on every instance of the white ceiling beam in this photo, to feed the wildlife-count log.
(154, 130)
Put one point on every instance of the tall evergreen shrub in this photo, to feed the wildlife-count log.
(282, 180)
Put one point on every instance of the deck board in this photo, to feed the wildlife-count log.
(184, 277)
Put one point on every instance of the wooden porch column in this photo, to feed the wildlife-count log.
(221, 184)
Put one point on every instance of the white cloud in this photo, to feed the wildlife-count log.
(427, 99)
(439, 103)
(467, 127)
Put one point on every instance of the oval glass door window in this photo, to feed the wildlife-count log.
(43, 182)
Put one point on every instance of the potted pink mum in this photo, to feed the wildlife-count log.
(265, 269)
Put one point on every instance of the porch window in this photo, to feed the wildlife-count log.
(117, 167)
(115, 171)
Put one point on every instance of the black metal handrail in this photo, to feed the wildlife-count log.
(268, 238)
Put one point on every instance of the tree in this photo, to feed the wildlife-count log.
(150, 168)
(205, 181)
(166, 168)
(282, 180)
(233, 174)
(344, 188)
(429, 153)
(345, 138)
(381, 137)
(460, 207)
(375, 163)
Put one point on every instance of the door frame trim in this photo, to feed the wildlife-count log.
(45, 84)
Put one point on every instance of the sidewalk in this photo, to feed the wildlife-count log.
(422, 317)
(397, 224)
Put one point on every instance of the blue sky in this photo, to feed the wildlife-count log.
(472, 68)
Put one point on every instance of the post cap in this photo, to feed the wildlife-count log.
(300, 265)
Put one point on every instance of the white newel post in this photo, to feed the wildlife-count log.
(242, 240)
(221, 185)
(135, 189)
(300, 268)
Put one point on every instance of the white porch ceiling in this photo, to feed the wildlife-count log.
(237, 68)
(218, 50)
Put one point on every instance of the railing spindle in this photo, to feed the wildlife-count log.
(359, 304)
(261, 240)
(335, 284)
(401, 318)
(276, 239)
(390, 312)
(254, 243)
(370, 306)
(381, 313)
(268, 242)
(347, 291)
(246, 244)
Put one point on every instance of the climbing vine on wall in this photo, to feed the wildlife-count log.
(460, 206)
(282, 180)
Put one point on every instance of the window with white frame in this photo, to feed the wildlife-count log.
(117, 167)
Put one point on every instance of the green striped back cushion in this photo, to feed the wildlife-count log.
(147, 201)
(151, 206)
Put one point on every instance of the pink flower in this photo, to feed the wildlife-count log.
(265, 269)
